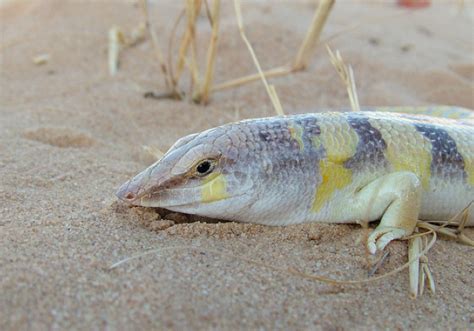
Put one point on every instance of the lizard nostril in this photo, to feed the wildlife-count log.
(128, 192)
(130, 196)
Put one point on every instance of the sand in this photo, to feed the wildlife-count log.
(70, 135)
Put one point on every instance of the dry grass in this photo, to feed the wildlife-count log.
(302, 58)
(205, 88)
(312, 36)
(270, 88)
(419, 271)
(347, 76)
(41, 59)
(154, 40)
(289, 270)
(116, 40)
(185, 59)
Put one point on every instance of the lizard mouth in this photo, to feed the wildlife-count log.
(165, 198)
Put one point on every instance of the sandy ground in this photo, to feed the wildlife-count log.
(70, 134)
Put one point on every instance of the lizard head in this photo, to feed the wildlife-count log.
(201, 174)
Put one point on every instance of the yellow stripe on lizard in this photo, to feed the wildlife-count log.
(340, 143)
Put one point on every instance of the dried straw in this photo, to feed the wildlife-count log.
(203, 93)
(116, 40)
(312, 36)
(270, 89)
(347, 77)
(154, 40)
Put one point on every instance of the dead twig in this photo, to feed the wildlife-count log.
(154, 40)
(291, 271)
(152, 152)
(116, 41)
(137, 35)
(275, 72)
(302, 57)
(419, 271)
(41, 59)
(174, 83)
(414, 248)
(270, 89)
(312, 36)
(192, 9)
(203, 94)
(456, 234)
(160, 96)
(347, 77)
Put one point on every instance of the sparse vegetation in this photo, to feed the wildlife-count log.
(185, 59)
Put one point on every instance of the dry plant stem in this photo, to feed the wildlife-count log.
(116, 39)
(203, 94)
(154, 40)
(286, 70)
(279, 71)
(312, 36)
(153, 151)
(451, 233)
(365, 21)
(171, 46)
(271, 92)
(208, 12)
(183, 49)
(414, 248)
(424, 271)
(347, 76)
(192, 9)
(113, 50)
(439, 229)
(41, 59)
(427, 270)
(276, 101)
(281, 270)
(457, 234)
(419, 272)
(460, 230)
(429, 276)
(353, 90)
(137, 35)
(302, 58)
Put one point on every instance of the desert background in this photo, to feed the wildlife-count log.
(70, 134)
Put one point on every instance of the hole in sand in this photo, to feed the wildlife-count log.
(60, 137)
(464, 70)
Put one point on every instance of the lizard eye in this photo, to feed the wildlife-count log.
(204, 167)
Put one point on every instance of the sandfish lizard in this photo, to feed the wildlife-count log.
(387, 164)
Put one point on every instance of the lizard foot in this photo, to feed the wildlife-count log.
(382, 236)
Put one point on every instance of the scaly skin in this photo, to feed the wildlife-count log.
(322, 167)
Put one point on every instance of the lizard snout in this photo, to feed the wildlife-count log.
(128, 192)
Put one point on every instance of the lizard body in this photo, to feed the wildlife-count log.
(337, 167)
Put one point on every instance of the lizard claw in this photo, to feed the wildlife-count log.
(382, 236)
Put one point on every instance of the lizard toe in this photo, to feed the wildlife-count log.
(382, 236)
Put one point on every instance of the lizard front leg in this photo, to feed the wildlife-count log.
(395, 199)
